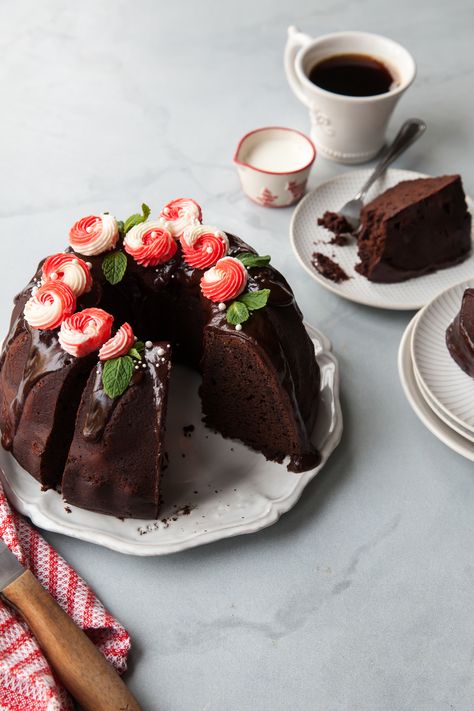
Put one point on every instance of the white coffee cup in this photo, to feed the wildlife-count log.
(346, 129)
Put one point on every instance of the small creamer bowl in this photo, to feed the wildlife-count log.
(273, 164)
(346, 129)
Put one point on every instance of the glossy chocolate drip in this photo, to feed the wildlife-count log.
(101, 406)
(45, 356)
(100, 409)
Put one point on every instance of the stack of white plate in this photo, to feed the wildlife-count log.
(441, 394)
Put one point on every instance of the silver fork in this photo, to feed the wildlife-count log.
(408, 134)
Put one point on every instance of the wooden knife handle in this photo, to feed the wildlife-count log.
(82, 669)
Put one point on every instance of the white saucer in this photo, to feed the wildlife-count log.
(440, 429)
(305, 232)
(449, 387)
(215, 488)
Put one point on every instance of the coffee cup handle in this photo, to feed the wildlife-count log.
(295, 41)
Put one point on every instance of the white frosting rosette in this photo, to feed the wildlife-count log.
(94, 234)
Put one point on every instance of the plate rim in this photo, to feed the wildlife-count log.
(327, 283)
(469, 436)
(416, 369)
(274, 509)
(432, 422)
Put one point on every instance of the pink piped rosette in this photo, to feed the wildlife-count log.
(94, 234)
(70, 270)
(150, 244)
(203, 245)
(179, 214)
(225, 281)
(119, 345)
(49, 305)
(85, 331)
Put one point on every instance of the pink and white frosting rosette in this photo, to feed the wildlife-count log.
(50, 305)
(118, 345)
(94, 234)
(225, 281)
(150, 244)
(203, 245)
(85, 331)
(69, 269)
(179, 214)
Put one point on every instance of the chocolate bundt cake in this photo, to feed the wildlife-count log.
(85, 366)
(414, 228)
(460, 334)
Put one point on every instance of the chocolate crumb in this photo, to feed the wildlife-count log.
(337, 224)
(188, 430)
(67, 509)
(341, 240)
(328, 268)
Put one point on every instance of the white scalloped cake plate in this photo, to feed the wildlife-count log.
(307, 237)
(449, 388)
(214, 488)
(421, 408)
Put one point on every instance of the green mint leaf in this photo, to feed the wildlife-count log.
(237, 313)
(114, 266)
(146, 211)
(140, 346)
(116, 375)
(254, 300)
(134, 353)
(254, 260)
(136, 219)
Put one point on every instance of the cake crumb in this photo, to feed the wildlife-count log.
(67, 509)
(338, 225)
(188, 430)
(328, 268)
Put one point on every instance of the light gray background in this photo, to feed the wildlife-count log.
(361, 598)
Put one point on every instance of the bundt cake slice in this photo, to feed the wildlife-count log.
(45, 406)
(460, 334)
(116, 454)
(414, 228)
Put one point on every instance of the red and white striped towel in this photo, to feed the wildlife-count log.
(26, 680)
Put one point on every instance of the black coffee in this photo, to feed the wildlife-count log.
(352, 75)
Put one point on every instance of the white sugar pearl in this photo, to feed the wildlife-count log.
(54, 275)
(34, 290)
(221, 306)
(148, 344)
(153, 234)
(238, 327)
(209, 249)
(143, 365)
(160, 351)
(136, 367)
(89, 265)
(75, 261)
(88, 229)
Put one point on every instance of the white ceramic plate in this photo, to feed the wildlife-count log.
(445, 434)
(308, 237)
(214, 488)
(448, 387)
(438, 411)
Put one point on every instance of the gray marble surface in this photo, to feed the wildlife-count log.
(360, 598)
